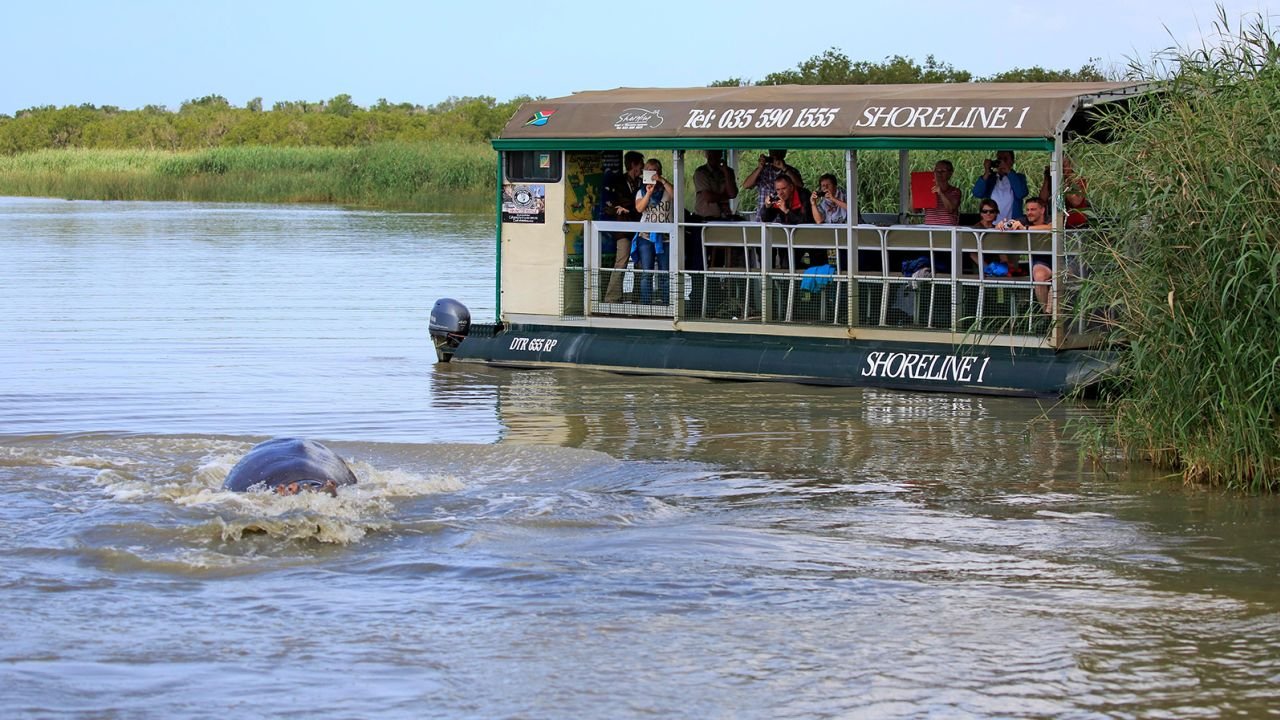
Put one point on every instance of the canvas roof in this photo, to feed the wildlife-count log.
(947, 110)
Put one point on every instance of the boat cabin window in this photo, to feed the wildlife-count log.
(533, 165)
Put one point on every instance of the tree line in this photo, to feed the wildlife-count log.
(211, 121)
(833, 67)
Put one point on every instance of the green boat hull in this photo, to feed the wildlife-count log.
(982, 369)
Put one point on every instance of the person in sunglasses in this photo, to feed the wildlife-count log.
(988, 212)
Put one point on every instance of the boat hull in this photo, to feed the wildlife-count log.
(937, 367)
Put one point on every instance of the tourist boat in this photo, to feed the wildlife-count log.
(741, 299)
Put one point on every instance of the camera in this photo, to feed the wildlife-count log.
(820, 193)
(773, 198)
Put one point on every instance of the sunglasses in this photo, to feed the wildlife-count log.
(988, 212)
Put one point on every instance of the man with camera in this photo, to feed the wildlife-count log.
(784, 204)
(715, 185)
(1001, 183)
(827, 203)
(769, 169)
(1041, 265)
(1037, 217)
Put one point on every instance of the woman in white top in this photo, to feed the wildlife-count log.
(654, 203)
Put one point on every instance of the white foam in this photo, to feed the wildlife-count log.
(397, 482)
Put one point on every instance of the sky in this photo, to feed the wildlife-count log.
(133, 53)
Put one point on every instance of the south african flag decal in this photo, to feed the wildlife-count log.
(540, 118)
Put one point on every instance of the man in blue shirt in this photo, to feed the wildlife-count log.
(1000, 182)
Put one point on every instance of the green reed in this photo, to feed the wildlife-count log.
(878, 172)
(393, 175)
(1188, 272)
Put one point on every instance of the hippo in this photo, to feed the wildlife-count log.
(287, 466)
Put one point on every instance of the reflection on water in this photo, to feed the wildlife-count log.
(536, 543)
(780, 425)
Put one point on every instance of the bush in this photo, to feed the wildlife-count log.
(1191, 270)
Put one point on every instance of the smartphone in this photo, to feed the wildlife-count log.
(647, 176)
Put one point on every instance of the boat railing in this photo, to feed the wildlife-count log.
(625, 291)
(910, 277)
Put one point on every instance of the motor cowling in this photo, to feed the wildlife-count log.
(450, 321)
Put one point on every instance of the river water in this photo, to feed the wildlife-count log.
(549, 544)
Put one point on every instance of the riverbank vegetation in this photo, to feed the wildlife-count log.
(395, 175)
(211, 122)
(1189, 270)
(390, 156)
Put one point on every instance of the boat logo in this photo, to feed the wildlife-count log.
(540, 118)
(638, 119)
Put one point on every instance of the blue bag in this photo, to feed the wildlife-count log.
(910, 267)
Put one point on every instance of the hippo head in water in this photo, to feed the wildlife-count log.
(288, 466)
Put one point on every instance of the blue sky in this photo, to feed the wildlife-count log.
(133, 53)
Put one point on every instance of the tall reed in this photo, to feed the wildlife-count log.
(1189, 272)
(392, 175)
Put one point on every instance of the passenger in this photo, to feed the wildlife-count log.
(1073, 192)
(947, 211)
(653, 201)
(1000, 182)
(1041, 265)
(771, 167)
(828, 203)
(620, 205)
(715, 185)
(988, 211)
(1037, 217)
(784, 204)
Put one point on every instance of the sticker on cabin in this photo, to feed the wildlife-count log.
(524, 203)
(540, 118)
(638, 119)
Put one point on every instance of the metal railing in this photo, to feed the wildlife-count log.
(909, 277)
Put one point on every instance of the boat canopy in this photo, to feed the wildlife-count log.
(1013, 115)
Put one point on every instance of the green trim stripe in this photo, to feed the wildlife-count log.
(497, 283)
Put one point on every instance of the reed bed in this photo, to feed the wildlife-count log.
(1188, 272)
(392, 175)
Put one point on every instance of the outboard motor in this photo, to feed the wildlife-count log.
(450, 321)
